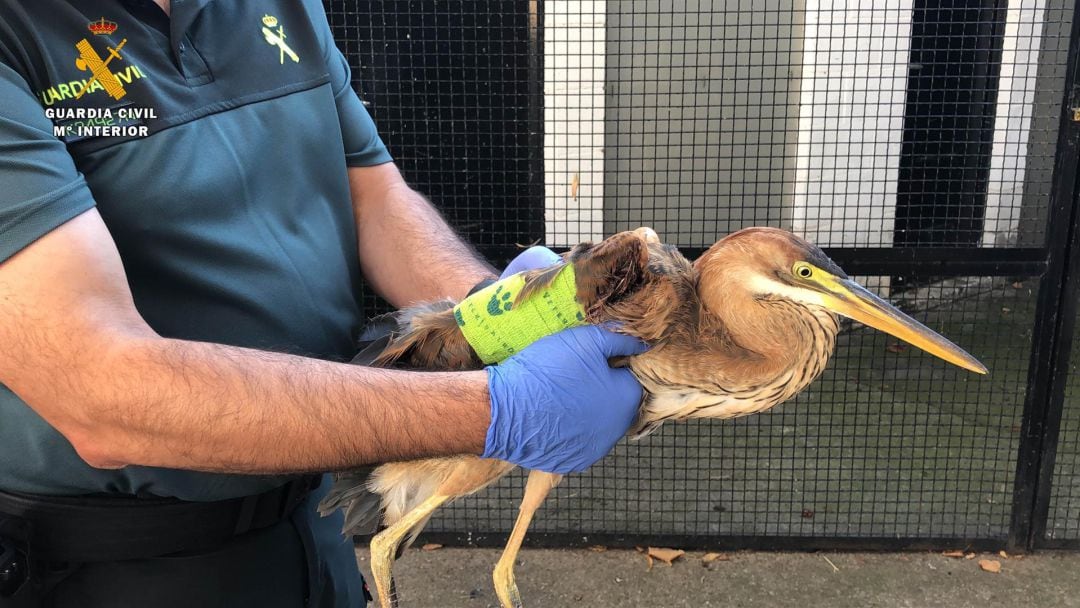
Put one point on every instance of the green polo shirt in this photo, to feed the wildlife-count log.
(214, 144)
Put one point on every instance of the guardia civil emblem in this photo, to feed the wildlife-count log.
(89, 60)
(277, 38)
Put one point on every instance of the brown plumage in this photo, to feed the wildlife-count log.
(630, 278)
(747, 326)
(748, 350)
(761, 329)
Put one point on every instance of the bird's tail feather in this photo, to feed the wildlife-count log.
(406, 485)
(402, 487)
(363, 508)
(367, 511)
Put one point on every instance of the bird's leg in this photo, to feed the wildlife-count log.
(536, 490)
(384, 545)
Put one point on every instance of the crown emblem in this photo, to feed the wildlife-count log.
(102, 27)
(270, 20)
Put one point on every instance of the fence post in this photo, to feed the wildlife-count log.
(1055, 317)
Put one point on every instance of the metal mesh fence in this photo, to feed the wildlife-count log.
(1064, 517)
(897, 124)
(873, 129)
(453, 89)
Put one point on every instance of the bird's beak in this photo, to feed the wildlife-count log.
(854, 301)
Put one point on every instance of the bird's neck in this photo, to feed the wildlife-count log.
(778, 334)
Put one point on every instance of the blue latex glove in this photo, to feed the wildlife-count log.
(557, 406)
(531, 258)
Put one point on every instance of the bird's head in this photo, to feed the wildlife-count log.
(768, 263)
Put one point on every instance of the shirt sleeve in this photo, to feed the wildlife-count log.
(42, 189)
(363, 146)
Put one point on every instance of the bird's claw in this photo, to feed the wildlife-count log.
(506, 588)
(382, 560)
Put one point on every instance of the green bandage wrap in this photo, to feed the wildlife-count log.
(496, 326)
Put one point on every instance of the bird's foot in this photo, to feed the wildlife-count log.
(505, 587)
(382, 563)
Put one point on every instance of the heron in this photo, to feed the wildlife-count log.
(745, 327)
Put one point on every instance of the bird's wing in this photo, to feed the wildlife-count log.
(375, 337)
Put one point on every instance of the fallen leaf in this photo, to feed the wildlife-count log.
(990, 565)
(956, 554)
(709, 558)
(575, 183)
(896, 348)
(969, 556)
(665, 555)
(597, 548)
(647, 556)
(431, 547)
(1003, 554)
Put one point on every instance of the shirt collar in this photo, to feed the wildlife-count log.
(182, 14)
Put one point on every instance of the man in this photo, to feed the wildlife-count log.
(179, 271)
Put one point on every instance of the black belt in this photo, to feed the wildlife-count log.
(102, 528)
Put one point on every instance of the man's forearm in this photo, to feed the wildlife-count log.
(407, 250)
(208, 407)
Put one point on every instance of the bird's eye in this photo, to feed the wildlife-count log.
(804, 271)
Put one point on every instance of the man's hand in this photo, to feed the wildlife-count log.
(557, 406)
(78, 352)
(531, 259)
